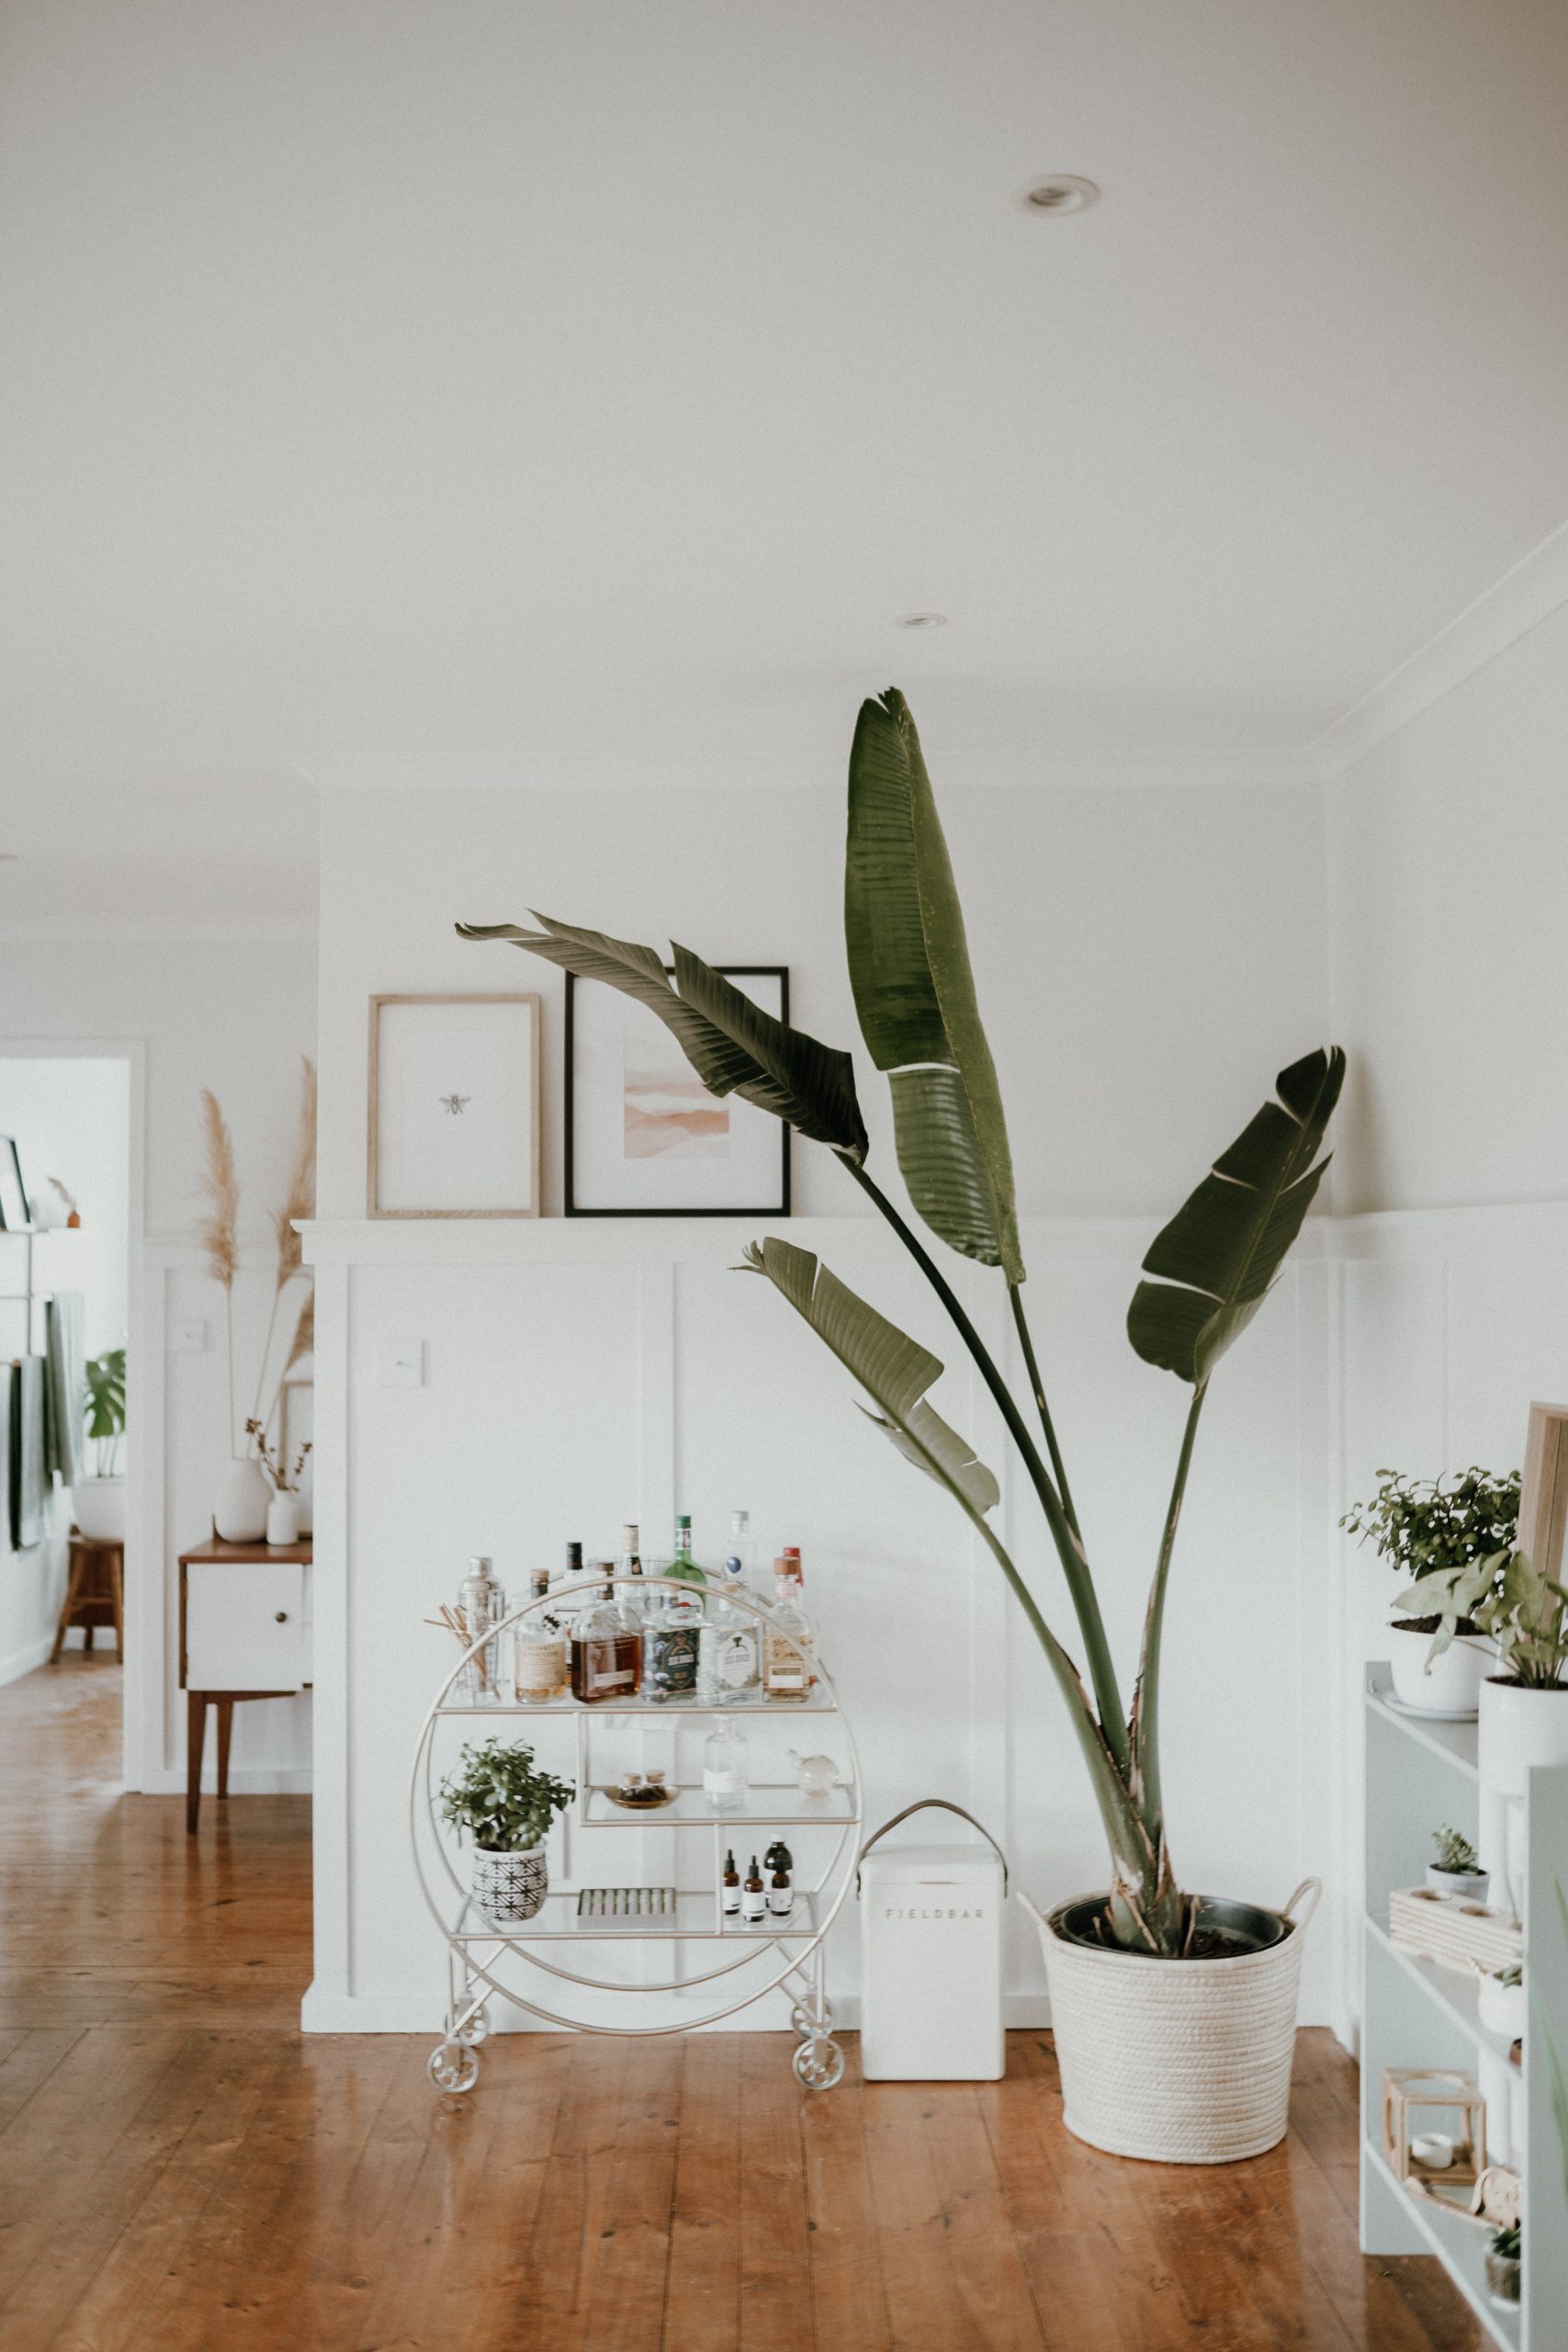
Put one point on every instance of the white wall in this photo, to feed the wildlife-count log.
(1147, 959)
(71, 1117)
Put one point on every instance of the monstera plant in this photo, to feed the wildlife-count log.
(1207, 1272)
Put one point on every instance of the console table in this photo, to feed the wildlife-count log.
(245, 1633)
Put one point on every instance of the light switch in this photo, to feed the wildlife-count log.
(399, 1364)
(187, 1336)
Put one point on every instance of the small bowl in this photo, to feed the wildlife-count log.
(1434, 2150)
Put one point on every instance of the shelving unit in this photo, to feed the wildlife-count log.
(1421, 1772)
(486, 1956)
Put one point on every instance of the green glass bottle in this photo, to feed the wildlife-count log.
(684, 1569)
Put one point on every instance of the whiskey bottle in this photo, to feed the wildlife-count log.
(607, 1660)
(730, 1898)
(539, 1650)
(789, 1644)
(753, 1901)
(726, 1780)
(670, 1651)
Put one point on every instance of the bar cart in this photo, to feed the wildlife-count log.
(650, 1933)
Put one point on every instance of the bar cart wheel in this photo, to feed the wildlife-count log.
(818, 2062)
(453, 2067)
(804, 2024)
(474, 2028)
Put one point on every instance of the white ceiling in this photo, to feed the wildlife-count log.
(481, 389)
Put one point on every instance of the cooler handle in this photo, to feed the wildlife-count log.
(926, 1804)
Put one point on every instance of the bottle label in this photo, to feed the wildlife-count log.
(786, 1664)
(732, 1902)
(671, 1659)
(602, 1671)
(540, 1663)
(725, 1781)
(735, 1664)
(781, 1900)
(753, 1908)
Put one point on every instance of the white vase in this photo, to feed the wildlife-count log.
(97, 1505)
(283, 1518)
(1450, 1685)
(1503, 2009)
(239, 1510)
(1520, 1727)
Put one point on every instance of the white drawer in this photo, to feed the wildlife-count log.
(245, 1626)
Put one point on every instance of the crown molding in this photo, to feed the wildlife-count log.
(1500, 615)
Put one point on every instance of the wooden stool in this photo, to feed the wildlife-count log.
(94, 1591)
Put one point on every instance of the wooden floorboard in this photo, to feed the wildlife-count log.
(181, 2170)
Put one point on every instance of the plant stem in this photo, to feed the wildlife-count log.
(1146, 1775)
(1069, 1546)
(1015, 1293)
(228, 1337)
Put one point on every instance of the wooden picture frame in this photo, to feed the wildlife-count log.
(771, 1196)
(1543, 1490)
(459, 1059)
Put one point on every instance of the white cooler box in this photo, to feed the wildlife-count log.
(930, 1940)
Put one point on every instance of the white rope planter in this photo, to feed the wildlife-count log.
(1183, 2062)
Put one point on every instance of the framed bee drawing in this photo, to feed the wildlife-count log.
(453, 1106)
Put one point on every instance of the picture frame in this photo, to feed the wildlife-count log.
(15, 1209)
(453, 1112)
(643, 1138)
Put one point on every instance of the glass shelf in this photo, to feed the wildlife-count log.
(778, 1711)
(696, 1919)
(770, 1805)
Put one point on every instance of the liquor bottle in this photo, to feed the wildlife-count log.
(633, 1600)
(753, 1901)
(539, 1650)
(727, 1648)
(684, 1569)
(789, 1645)
(727, 1780)
(669, 1651)
(729, 1898)
(607, 1660)
(739, 1559)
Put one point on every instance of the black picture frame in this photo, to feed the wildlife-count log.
(15, 1208)
(781, 1207)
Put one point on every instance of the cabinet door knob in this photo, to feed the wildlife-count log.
(283, 1617)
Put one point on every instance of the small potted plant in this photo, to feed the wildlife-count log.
(283, 1509)
(506, 1806)
(1422, 1527)
(1503, 2265)
(1457, 1871)
(98, 1503)
(1500, 2001)
(1524, 1705)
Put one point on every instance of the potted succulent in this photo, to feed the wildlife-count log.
(1420, 1526)
(1524, 1707)
(1457, 1871)
(97, 1504)
(1501, 2001)
(505, 1806)
(1174, 2012)
(1503, 2259)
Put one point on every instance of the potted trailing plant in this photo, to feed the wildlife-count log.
(1174, 2012)
(1503, 2261)
(1524, 1706)
(505, 1806)
(1457, 1871)
(98, 1503)
(1418, 1526)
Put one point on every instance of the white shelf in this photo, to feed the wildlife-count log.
(697, 1919)
(608, 1711)
(1461, 2246)
(1454, 1743)
(1457, 1995)
(691, 1810)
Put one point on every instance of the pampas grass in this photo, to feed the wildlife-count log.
(216, 1232)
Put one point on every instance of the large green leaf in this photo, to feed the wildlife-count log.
(893, 1369)
(1216, 1258)
(915, 994)
(734, 1047)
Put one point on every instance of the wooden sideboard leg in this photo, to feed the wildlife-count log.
(225, 1732)
(117, 1587)
(78, 1570)
(196, 1739)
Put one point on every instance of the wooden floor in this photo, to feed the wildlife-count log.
(181, 2170)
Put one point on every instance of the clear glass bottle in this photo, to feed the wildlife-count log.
(726, 1778)
(669, 1650)
(729, 1651)
(607, 1660)
(539, 1670)
(481, 1605)
(740, 1559)
(631, 1598)
(789, 1644)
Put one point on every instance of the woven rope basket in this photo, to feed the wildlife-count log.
(1183, 2062)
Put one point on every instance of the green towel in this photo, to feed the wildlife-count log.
(29, 1485)
(65, 1387)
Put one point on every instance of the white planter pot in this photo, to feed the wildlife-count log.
(1451, 1684)
(239, 1510)
(1502, 2008)
(1184, 2061)
(283, 1518)
(97, 1506)
(1458, 1886)
(509, 1887)
(1520, 1727)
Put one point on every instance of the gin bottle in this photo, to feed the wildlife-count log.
(633, 1599)
(727, 1780)
(727, 1652)
(789, 1644)
(670, 1652)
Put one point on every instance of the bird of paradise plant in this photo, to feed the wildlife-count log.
(1208, 1272)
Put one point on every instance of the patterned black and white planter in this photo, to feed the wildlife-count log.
(509, 1887)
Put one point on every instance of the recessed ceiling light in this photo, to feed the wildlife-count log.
(920, 620)
(1063, 192)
